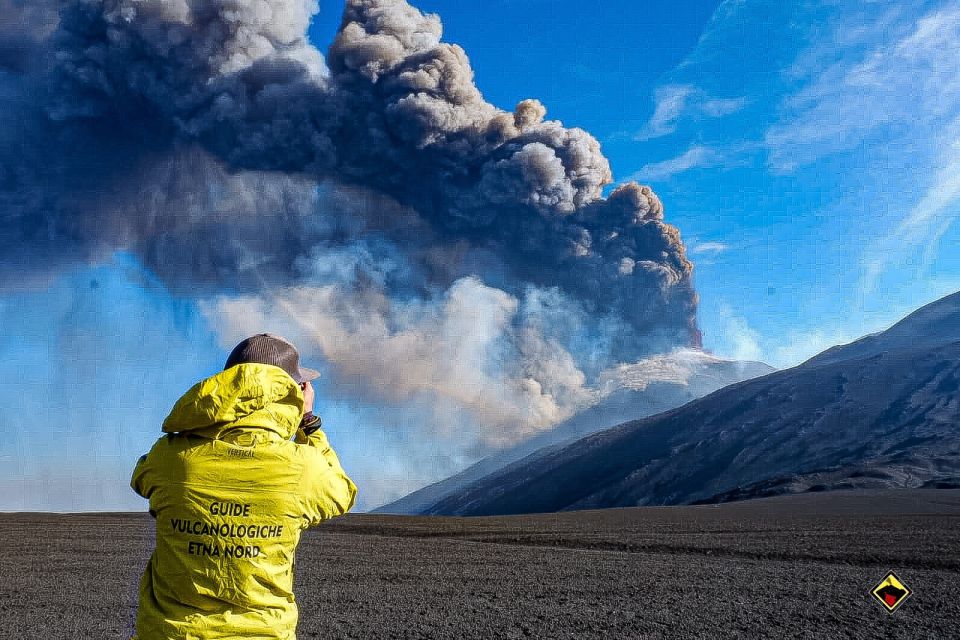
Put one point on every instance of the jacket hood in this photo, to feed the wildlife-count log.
(258, 396)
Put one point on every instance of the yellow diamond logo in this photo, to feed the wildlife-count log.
(891, 592)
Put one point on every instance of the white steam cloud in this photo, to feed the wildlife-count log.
(467, 350)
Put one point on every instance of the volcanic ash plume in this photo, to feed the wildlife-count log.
(377, 174)
(396, 112)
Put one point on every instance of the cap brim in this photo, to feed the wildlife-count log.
(308, 374)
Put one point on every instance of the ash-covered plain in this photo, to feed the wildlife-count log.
(794, 566)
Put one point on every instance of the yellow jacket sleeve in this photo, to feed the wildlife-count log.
(325, 488)
(143, 479)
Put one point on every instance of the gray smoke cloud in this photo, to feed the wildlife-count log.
(374, 193)
(397, 112)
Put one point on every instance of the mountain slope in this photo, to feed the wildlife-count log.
(933, 325)
(881, 412)
(632, 391)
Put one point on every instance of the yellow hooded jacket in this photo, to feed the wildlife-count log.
(231, 494)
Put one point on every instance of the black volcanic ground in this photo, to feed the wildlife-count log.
(789, 567)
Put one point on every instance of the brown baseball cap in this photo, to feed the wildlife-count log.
(266, 348)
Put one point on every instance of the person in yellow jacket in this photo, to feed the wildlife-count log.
(243, 470)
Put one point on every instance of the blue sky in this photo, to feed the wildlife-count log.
(808, 153)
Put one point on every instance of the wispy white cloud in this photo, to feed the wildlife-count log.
(708, 248)
(674, 102)
(670, 101)
(886, 92)
(907, 76)
(695, 157)
(723, 106)
(943, 192)
(925, 223)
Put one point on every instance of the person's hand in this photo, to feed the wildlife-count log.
(309, 423)
(308, 395)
